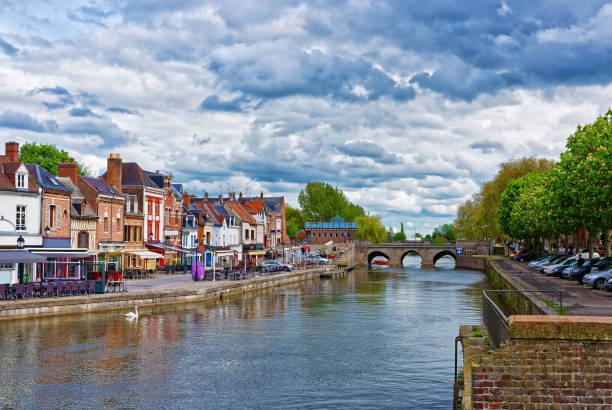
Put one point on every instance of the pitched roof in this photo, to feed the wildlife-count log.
(76, 201)
(101, 186)
(133, 175)
(7, 177)
(242, 213)
(45, 179)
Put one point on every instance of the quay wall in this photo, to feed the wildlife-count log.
(549, 362)
(35, 308)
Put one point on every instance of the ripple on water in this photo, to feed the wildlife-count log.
(373, 339)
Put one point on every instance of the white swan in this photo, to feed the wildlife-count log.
(132, 315)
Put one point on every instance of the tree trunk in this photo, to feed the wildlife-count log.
(590, 243)
(607, 242)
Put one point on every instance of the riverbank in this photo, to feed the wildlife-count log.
(154, 292)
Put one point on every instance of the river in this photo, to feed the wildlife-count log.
(379, 338)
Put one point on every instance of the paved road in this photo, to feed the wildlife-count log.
(579, 299)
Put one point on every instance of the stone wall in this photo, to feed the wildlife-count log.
(550, 362)
(471, 262)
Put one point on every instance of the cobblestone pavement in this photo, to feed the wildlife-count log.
(579, 299)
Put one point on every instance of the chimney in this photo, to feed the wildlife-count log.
(240, 195)
(221, 198)
(187, 199)
(114, 169)
(12, 151)
(65, 170)
(206, 196)
(261, 195)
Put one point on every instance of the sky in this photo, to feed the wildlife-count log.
(406, 106)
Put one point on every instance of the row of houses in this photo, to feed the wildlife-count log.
(128, 218)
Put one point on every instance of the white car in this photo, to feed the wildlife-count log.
(275, 265)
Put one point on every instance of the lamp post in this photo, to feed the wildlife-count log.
(47, 230)
(197, 243)
(20, 244)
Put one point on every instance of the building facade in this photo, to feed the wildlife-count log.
(336, 230)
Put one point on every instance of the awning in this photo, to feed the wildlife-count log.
(167, 247)
(145, 254)
(224, 253)
(306, 248)
(71, 253)
(20, 257)
(254, 253)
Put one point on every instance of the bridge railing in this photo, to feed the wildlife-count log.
(495, 321)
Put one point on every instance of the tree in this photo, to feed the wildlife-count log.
(370, 228)
(295, 221)
(400, 236)
(320, 202)
(584, 177)
(47, 156)
(446, 230)
(481, 209)
(390, 234)
(402, 229)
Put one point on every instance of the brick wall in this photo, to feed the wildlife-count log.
(550, 362)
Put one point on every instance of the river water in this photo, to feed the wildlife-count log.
(380, 338)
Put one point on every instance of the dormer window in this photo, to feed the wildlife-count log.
(21, 182)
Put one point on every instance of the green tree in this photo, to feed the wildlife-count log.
(446, 230)
(481, 209)
(402, 229)
(400, 236)
(320, 202)
(390, 234)
(47, 156)
(585, 175)
(295, 221)
(370, 228)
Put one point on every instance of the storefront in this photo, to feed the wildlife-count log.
(62, 263)
(18, 266)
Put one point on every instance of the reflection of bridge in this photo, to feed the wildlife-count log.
(396, 251)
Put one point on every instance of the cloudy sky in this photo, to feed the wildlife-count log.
(406, 106)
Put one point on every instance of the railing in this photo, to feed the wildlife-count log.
(496, 321)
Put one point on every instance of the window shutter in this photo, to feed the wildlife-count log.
(58, 220)
(47, 217)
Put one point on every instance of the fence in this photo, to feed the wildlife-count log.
(496, 321)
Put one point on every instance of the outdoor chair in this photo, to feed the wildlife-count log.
(29, 290)
(19, 291)
(4, 294)
(59, 289)
(68, 288)
(82, 288)
(50, 289)
(91, 288)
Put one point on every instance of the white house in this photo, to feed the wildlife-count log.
(20, 217)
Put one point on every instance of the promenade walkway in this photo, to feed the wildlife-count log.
(579, 299)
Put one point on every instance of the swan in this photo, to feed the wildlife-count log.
(132, 315)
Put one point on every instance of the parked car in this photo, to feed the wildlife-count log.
(608, 285)
(273, 265)
(558, 271)
(539, 265)
(539, 261)
(564, 264)
(602, 264)
(577, 272)
(524, 255)
(597, 279)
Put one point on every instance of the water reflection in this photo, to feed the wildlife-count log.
(379, 338)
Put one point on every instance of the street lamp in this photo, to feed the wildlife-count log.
(484, 231)
(47, 230)
(20, 242)
(195, 277)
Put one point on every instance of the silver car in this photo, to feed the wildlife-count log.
(597, 279)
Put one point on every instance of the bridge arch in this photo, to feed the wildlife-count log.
(445, 252)
(375, 254)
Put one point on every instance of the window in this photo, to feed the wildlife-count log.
(167, 216)
(252, 234)
(52, 216)
(20, 219)
(126, 233)
(83, 240)
(21, 180)
(246, 234)
(106, 224)
(6, 266)
(118, 224)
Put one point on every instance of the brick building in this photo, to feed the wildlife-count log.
(335, 230)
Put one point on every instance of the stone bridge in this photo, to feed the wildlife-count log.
(396, 251)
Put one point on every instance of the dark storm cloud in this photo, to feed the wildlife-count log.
(486, 146)
(7, 48)
(367, 149)
(83, 112)
(213, 103)
(108, 132)
(20, 121)
(119, 110)
(277, 70)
